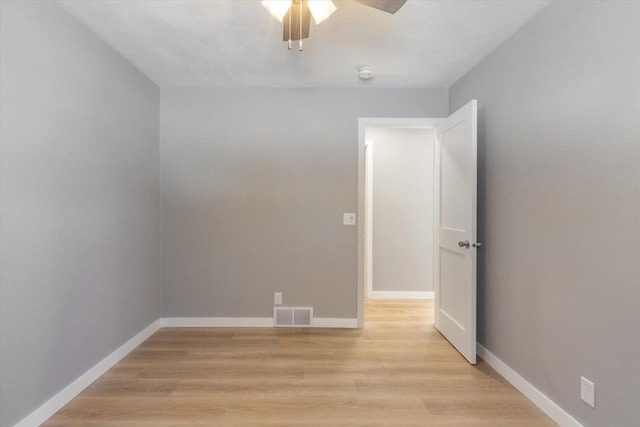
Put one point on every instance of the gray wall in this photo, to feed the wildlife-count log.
(402, 226)
(254, 183)
(79, 196)
(559, 211)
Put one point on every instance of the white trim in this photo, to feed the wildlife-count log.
(64, 396)
(400, 295)
(538, 398)
(363, 123)
(249, 322)
(399, 122)
(368, 217)
(217, 322)
(328, 322)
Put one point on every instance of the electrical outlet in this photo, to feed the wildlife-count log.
(277, 298)
(588, 392)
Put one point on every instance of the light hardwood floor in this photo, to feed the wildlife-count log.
(397, 371)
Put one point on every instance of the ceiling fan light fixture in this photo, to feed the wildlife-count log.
(277, 8)
(320, 9)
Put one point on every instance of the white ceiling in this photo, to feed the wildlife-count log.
(231, 43)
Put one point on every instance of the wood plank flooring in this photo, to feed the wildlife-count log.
(397, 371)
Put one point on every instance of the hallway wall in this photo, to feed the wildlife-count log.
(402, 237)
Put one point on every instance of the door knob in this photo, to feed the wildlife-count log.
(477, 245)
(464, 244)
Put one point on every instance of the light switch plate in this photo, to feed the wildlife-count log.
(349, 218)
(277, 298)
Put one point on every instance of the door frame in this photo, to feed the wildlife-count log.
(367, 218)
(363, 123)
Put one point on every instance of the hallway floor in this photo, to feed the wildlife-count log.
(397, 371)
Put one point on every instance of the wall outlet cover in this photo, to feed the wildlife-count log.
(588, 392)
(277, 298)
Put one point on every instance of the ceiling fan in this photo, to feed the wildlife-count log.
(296, 14)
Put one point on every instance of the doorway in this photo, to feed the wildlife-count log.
(395, 250)
(398, 217)
(454, 222)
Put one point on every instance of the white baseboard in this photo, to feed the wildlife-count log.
(63, 397)
(399, 295)
(248, 322)
(217, 322)
(548, 406)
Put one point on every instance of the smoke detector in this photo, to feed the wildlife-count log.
(365, 72)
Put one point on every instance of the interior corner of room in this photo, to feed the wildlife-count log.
(163, 168)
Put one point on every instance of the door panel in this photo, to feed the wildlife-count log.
(455, 224)
(455, 178)
(453, 276)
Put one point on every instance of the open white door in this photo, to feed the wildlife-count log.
(455, 229)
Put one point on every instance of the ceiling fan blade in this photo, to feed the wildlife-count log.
(294, 13)
(390, 6)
